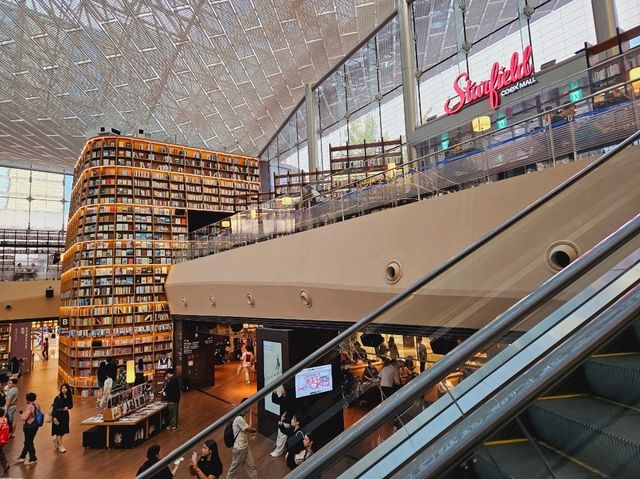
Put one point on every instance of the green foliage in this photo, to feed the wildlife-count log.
(366, 128)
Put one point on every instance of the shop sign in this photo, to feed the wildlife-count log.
(502, 82)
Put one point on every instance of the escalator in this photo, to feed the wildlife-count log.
(588, 427)
(453, 319)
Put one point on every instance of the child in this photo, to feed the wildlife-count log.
(4, 439)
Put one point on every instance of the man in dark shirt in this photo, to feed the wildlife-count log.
(172, 396)
(45, 349)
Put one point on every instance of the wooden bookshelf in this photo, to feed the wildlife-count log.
(292, 184)
(354, 162)
(5, 340)
(129, 222)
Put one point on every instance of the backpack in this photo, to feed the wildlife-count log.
(229, 437)
(4, 434)
(39, 416)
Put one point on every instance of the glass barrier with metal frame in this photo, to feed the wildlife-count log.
(563, 133)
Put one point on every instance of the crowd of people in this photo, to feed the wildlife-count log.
(32, 418)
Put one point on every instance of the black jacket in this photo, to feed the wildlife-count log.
(172, 389)
(60, 402)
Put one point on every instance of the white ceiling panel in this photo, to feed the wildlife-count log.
(221, 74)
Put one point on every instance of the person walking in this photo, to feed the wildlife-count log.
(241, 454)
(172, 396)
(246, 360)
(11, 395)
(45, 349)
(422, 354)
(30, 429)
(62, 403)
(153, 456)
(4, 440)
(209, 466)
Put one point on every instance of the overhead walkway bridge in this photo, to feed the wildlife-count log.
(546, 389)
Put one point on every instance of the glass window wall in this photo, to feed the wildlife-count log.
(362, 98)
(34, 199)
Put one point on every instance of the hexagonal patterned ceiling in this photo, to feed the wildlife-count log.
(218, 74)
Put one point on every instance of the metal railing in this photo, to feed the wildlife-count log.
(396, 305)
(588, 125)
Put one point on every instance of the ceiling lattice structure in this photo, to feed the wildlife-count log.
(219, 74)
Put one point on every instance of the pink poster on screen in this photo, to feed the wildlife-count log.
(21, 344)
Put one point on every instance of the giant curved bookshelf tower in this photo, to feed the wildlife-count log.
(129, 220)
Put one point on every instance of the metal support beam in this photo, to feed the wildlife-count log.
(408, 73)
(605, 19)
(312, 128)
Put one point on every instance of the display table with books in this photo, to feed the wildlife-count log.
(127, 431)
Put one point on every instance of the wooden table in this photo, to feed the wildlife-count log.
(144, 414)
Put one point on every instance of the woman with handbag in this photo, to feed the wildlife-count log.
(60, 416)
(30, 429)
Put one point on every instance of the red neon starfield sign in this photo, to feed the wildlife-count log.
(501, 82)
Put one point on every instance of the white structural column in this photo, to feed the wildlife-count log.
(408, 73)
(312, 128)
(605, 19)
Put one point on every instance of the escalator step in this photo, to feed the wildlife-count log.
(521, 461)
(595, 431)
(615, 377)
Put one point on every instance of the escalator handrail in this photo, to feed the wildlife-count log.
(403, 398)
(576, 268)
(559, 364)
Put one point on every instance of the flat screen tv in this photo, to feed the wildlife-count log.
(315, 380)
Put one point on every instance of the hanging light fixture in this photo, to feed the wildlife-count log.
(480, 124)
(131, 373)
(634, 74)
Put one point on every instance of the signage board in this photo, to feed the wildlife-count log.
(502, 82)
